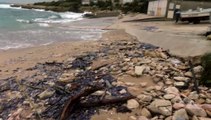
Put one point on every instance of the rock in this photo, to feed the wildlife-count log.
(132, 118)
(123, 91)
(172, 90)
(169, 96)
(208, 101)
(209, 37)
(208, 113)
(132, 104)
(145, 112)
(200, 101)
(99, 93)
(193, 95)
(181, 85)
(157, 87)
(142, 118)
(194, 118)
(155, 118)
(46, 94)
(139, 70)
(196, 110)
(177, 99)
(169, 118)
(177, 106)
(188, 74)
(203, 118)
(206, 107)
(143, 84)
(198, 69)
(144, 98)
(181, 79)
(156, 79)
(130, 84)
(163, 55)
(180, 115)
(68, 86)
(163, 107)
(188, 100)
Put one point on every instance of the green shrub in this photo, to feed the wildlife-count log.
(206, 75)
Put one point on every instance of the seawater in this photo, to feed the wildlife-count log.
(24, 28)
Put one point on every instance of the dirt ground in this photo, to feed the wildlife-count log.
(180, 39)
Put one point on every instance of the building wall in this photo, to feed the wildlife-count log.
(157, 8)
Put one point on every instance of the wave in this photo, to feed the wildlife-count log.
(60, 18)
(23, 21)
(15, 46)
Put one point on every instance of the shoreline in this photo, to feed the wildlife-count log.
(39, 82)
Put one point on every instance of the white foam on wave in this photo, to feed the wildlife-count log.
(15, 46)
(40, 10)
(44, 25)
(60, 18)
(23, 21)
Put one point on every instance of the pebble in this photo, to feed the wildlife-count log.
(144, 98)
(198, 69)
(46, 94)
(132, 104)
(123, 91)
(181, 85)
(139, 70)
(193, 95)
(196, 110)
(142, 118)
(183, 79)
(172, 90)
(180, 115)
(188, 74)
(99, 93)
(143, 84)
(145, 112)
(169, 96)
(164, 107)
(177, 106)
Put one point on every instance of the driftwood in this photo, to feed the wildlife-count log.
(107, 101)
(73, 100)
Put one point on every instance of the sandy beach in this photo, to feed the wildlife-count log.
(141, 81)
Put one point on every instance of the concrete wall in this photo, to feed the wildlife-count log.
(186, 5)
(157, 8)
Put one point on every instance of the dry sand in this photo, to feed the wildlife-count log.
(180, 39)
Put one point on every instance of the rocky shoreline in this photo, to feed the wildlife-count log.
(113, 67)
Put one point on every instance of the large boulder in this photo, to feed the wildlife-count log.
(163, 107)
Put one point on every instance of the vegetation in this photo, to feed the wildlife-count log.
(66, 5)
(136, 6)
(75, 5)
(206, 75)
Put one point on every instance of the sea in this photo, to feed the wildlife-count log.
(20, 28)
